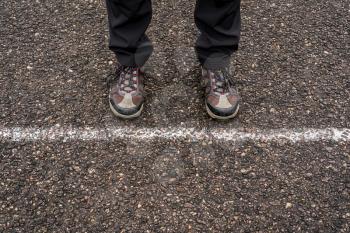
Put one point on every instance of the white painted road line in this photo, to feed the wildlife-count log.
(63, 134)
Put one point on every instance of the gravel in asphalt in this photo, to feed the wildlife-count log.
(175, 187)
(292, 71)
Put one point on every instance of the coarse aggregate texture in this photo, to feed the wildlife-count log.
(175, 187)
(292, 71)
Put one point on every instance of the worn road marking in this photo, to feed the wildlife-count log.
(63, 134)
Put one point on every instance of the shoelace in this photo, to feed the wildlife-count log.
(222, 81)
(127, 78)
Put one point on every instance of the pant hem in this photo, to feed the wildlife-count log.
(216, 62)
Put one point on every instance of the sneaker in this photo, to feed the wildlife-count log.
(126, 95)
(221, 98)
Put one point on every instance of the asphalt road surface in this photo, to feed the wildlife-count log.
(292, 71)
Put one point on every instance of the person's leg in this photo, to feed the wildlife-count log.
(128, 22)
(219, 22)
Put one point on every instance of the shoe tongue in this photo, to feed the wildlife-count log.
(130, 79)
(220, 82)
(128, 89)
(219, 78)
(130, 69)
(221, 75)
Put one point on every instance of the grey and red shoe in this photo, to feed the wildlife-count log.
(126, 94)
(221, 98)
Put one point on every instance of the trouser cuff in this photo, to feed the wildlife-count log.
(136, 57)
(216, 62)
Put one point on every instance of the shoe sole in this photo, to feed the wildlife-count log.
(135, 115)
(214, 116)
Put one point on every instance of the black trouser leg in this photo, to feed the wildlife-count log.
(128, 22)
(219, 23)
